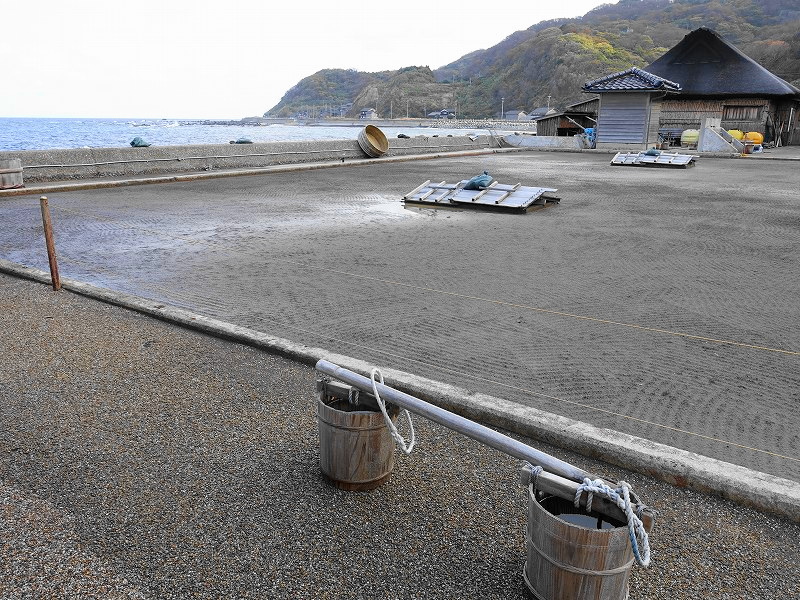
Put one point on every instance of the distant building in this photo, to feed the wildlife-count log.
(368, 113)
(703, 76)
(441, 114)
(516, 115)
(719, 81)
(574, 119)
(540, 112)
(630, 103)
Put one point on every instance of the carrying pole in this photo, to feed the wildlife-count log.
(473, 430)
(558, 478)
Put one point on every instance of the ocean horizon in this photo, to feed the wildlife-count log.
(42, 133)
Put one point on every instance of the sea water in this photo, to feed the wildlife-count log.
(46, 134)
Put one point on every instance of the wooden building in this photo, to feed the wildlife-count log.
(718, 80)
(630, 106)
(702, 76)
(573, 120)
(540, 112)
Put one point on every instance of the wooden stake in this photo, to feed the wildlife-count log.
(51, 247)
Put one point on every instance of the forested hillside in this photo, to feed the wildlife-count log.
(549, 61)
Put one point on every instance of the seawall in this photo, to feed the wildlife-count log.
(492, 124)
(92, 163)
(546, 141)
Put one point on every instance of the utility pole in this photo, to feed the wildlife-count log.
(406, 108)
(502, 109)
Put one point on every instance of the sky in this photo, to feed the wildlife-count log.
(198, 59)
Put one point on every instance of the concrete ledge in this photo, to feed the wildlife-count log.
(761, 491)
(127, 162)
(93, 184)
(546, 141)
(576, 144)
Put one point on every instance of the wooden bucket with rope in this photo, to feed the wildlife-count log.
(574, 553)
(356, 449)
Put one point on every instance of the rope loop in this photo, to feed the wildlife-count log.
(533, 475)
(353, 396)
(640, 541)
(377, 377)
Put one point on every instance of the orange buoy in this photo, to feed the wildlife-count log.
(754, 136)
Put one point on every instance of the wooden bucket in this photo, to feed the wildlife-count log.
(356, 451)
(373, 141)
(10, 174)
(569, 557)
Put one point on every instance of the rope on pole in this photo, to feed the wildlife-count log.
(377, 377)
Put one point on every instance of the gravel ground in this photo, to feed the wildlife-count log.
(142, 460)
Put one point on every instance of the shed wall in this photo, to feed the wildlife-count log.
(623, 118)
(754, 114)
(547, 126)
(654, 119)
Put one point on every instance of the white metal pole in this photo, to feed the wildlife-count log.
(473, 430)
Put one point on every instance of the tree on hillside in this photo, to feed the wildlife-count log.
(554, 58)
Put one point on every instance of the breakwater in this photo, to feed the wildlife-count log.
(474, 124)
(94, 163)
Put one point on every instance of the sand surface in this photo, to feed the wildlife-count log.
(657, 302)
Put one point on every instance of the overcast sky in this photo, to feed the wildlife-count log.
(227, 60)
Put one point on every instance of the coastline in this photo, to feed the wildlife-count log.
(40, 134)
(487, 124)
(94, 163)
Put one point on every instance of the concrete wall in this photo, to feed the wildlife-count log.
(546, 141)
(89, 163)
(619, 147)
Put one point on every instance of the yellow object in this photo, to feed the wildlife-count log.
(736, 133)
(689, 136)
(754, 136)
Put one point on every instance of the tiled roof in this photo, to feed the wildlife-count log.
(631, 80)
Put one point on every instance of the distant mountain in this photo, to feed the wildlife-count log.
(328, 90)
(549, 62)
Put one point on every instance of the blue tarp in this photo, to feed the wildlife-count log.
(479, 182)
